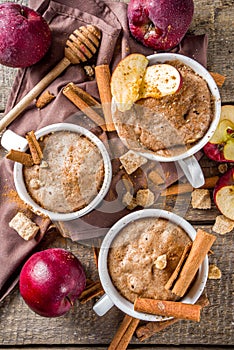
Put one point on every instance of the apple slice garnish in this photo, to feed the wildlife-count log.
(227, 112)
(160, 80)
(126, 80)
(224, 194)
(224, 135)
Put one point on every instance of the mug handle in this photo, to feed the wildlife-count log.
(192, 171)
(11, 140)
(103, 305)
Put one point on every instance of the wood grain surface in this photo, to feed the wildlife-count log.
(81, 327)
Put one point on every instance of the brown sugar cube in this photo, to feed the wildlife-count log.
(145, 198)
(24, 226)
(223, 225)
(201, 199)
(214, 272)
(129, 201)
(131, 161)
(156, 178)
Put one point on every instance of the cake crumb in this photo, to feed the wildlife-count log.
(145, 198)
(24, 226)
(129, 201)
(223, 225)
(201, 199)
(131, 161)
(214, 272)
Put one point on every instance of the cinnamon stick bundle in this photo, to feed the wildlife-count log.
(92, 289)
(84, 102)
(200, 247)
(168, 308)
(178, 268)
(124, 333)
(150, 328)
(103, 78)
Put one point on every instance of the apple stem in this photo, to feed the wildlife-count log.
(69, 300)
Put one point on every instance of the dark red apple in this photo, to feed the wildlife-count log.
(51, 281)
(224, 194)
(160, 24)
(25, 36)
(221, 146)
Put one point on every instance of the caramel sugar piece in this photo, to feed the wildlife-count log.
(24, 226)
(20, 157)
(131, 161)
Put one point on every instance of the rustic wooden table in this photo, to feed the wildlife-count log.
(81, 327)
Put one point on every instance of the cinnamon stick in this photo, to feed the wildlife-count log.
(92, 289)
(176, 189)
(34, 147)
(150, 328)
(168, 308)
(44, 99)
(84, 102)
(177, 270)
(124, 333)
(103, 78)
(200, 247)
(20, 157)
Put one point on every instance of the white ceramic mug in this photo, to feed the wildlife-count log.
(113, 297)
(186, 160)
(10, 140)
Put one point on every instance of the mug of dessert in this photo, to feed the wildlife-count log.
(62, 171)
(153, 266)
(166, 107)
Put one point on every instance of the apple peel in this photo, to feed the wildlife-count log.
(160, 80)
(126, 80)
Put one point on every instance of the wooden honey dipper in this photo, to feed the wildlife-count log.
(80, 46)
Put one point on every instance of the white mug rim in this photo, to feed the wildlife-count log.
(55, 216)
(119, 301)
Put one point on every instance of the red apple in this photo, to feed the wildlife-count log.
(25, 36)
(160, 24)
(51, 281)
(224, 194)
(221, 146)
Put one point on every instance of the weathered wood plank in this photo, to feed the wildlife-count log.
(212, 17)
(81, 328)
(19, 325)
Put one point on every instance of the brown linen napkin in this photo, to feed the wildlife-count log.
(63, 17)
